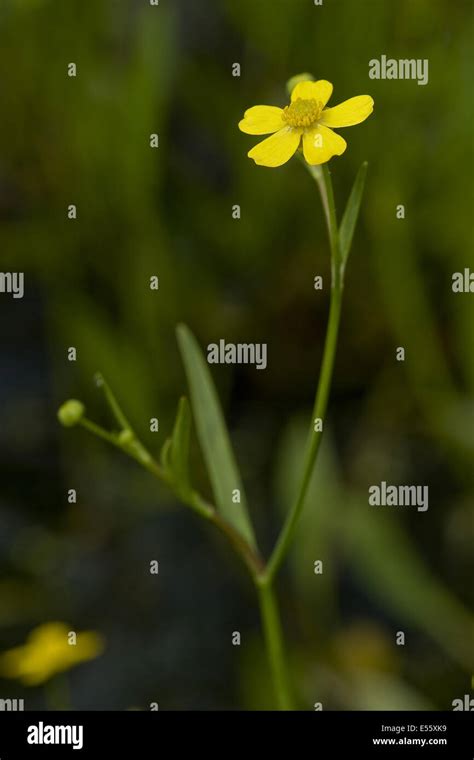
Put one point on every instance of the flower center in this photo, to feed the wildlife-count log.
(302, 112)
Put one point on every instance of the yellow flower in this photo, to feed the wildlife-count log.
(305, 120)
(47, 652)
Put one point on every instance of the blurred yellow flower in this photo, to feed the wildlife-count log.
(47, 652)
(305, 120)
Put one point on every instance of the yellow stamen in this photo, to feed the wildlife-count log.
(302, 112)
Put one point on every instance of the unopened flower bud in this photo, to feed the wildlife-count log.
(291, 84)
(71, 412)
(126, 437)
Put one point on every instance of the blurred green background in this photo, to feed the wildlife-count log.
(167, 212)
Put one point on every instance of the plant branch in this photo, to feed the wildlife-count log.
(131, 446)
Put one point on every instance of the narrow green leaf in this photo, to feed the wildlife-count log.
(165, 455)
(179, 452)
(349, 220)
(213, 436)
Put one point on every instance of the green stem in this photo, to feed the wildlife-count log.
(113, 403)
(274, 644)
(268, 604)
(323, 178)
(98, 431)
(134, 448)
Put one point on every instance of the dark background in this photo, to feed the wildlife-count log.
(167, 212)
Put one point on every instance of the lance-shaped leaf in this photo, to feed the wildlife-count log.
(175, 452)
(179, 450)
(213, 436)
(349, 220)
(165, 456)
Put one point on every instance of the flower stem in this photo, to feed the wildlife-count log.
(323, 178)
(268, 604)
(274, 644)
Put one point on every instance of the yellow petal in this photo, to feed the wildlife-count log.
(277, 149)
(89, 645)
(320, 144)
(261, 120)
(47, 652)
(348, 113)
(320, 91)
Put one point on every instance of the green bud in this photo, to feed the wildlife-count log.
(126, 437)
(71, 412)
(291, 84)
